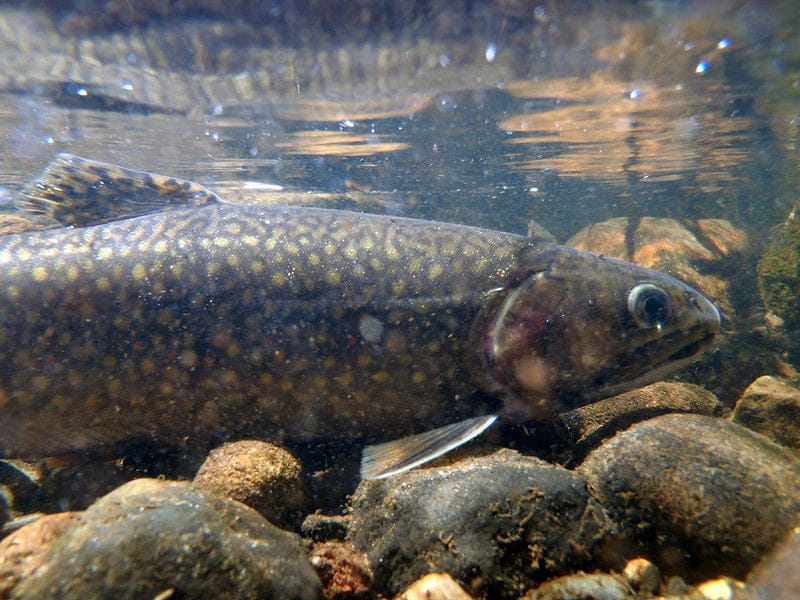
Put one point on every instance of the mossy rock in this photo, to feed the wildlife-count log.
(779, 272)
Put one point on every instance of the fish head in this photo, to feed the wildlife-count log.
(577, 327)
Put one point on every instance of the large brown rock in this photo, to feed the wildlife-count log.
(495, 523)
(152, 537)
(700, 496)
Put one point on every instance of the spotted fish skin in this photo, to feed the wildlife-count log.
(190, 324)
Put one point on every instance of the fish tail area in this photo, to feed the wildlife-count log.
(79, 192)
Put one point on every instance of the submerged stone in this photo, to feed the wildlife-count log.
(771, 406)
(263, 476)
(583, 586)
(699, 496)
(495, 523)
(152, 537)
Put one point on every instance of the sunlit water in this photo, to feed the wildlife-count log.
(571, 117)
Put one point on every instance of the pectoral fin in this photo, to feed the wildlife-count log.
(391, 458)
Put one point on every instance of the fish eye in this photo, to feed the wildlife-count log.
(649, 305)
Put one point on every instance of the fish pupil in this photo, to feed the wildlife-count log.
(649, 305)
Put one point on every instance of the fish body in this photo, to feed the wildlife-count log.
(192, 319)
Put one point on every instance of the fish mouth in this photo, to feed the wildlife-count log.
(658, 370)
(692, 349)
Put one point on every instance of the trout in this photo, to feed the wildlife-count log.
(152, 307)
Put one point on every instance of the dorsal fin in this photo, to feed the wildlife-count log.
(80, 192)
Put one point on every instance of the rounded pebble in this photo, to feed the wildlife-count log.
(582, 586)
(261, 475)
(643, 576)
(435, 586)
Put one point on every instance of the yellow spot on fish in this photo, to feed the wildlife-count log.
(314, 259)
(380, 377)
(40, 382)
(148, 366)
(161, 246)
(222, 242)
(418, 377)
(350, 251)
(392, 253)
(346, 378)
(257, 266)
(114, 386)
(329, 362)
(139, 272)
(292, 248)
(398, 287)
(278, 279)
(188, 359)
(333, 277)
(212, 269)
(103, 284)
(40, 274)
(60, 402)
(329, 248)
(105, 253)
(364, 360)
(266, 378)
(366, 243)
(232, 260)
(435, 271)
(250, 240)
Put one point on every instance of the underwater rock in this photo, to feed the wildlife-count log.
(495, 523)
(583, 586)
(688, 486)
(573, 434)
(343, 571)
(324, 528)
(723, 588)
(261, 475)
(779, 575)
(24, 552)
(779, 273)
(643, 576)
(434, 586)
(151, 537)
(771, 407)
